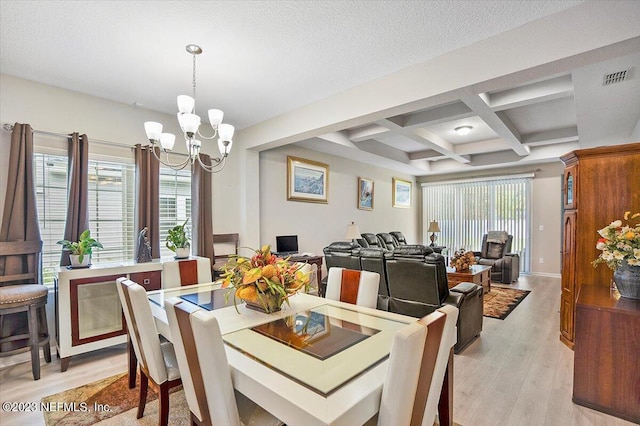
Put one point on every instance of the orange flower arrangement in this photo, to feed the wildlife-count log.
(263, 279)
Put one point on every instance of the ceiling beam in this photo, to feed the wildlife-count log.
(443, 114)
(366, 132)
(567, 134)
(499, 123)
(542, 91)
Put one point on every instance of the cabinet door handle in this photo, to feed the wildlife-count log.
(146, 281)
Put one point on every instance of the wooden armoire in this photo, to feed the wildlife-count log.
(600, 184)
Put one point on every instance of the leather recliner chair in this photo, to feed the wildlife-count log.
(369, 240)
(387, 242)
(373, 259)
(340, 254)
(418, 285)
(505, 266)
(399, 237)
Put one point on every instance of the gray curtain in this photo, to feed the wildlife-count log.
(20, 217)
(78, 192)
(147, 209)
(201, 211)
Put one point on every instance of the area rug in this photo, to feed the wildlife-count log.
(110, 401)
(500, 301)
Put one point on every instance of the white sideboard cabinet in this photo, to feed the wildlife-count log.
(88, 310)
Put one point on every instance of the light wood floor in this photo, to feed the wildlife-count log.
(517, 373)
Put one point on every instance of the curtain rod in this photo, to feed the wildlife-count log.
(483, 178)
(9, 127)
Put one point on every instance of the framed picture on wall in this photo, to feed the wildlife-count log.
(365, 194)
(307, 180)
(401, 193)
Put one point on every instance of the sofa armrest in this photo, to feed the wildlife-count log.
(465, 288)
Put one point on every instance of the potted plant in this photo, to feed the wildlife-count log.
(178, 241)
(80, 251)
(264, 281)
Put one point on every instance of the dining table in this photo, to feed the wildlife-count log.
(315, 362)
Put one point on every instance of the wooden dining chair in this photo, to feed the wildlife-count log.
(230, 244)
(351, 286)
(20, 297)
(186, 272)
(206, 373)
(157, 360)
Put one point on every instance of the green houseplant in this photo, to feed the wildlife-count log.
(80, 251)
(178, 240)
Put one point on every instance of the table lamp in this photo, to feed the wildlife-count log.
(433, 228)
(353, 232)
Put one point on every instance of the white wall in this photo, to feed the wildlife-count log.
(52, 109)
(317, 225)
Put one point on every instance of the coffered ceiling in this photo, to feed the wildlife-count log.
(265, 63)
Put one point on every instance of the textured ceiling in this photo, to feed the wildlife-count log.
(263, 59)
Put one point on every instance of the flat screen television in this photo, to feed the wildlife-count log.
(287, 244)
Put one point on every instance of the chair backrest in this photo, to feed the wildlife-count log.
(399, 236)
(142, 328)
(373, 260)
(178, 314)
(342, 255)
(312, 270)
(353, 286)
(186, 272)
(414, 287)
(445, 350)
(20, 262)
(399, 389)
(387, 242)
(214, 366)
(229, 242)
(371, 239)
(494, 249)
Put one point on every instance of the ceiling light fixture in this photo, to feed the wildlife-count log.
(190, 124)
(463, 130)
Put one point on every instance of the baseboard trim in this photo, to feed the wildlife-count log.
(546, 274)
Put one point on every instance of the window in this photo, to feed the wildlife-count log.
(111, 207)
(175, 203)
(466, 211)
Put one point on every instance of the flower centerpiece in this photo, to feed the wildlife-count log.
(620, 246)
(461, 260)
(264, 281)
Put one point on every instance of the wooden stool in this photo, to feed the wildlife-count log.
(32, 299)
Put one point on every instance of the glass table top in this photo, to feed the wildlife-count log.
(208, 296)
(322, 348)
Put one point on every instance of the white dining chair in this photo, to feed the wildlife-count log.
(206, 373)
(186, 272)
(411, 390)
(352, 286)
(157, 360)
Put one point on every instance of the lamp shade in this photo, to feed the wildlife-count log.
(189, 122)
(215, 117)
(167, 140)
(433, 226)
(186, 104)
(224, 147)
(153, 130)
(353, 232)
(225, 131)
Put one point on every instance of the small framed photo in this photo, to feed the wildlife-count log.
(307, 180)
(401, 193)
(365, 194)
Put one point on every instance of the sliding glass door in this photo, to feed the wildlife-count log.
(466, 210)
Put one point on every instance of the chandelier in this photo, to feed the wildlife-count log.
(190, 124)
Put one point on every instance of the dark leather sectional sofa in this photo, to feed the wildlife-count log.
(413, 281)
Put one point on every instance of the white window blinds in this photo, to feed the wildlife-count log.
(467, 210)
(175, 203)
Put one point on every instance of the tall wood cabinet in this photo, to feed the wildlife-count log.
(600, 184)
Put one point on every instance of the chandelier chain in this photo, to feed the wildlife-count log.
(194, 82)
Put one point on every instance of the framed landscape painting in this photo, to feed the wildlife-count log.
(307, 180)
(365, 194)
(401, 193)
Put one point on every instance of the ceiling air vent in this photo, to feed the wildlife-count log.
(614, 77)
